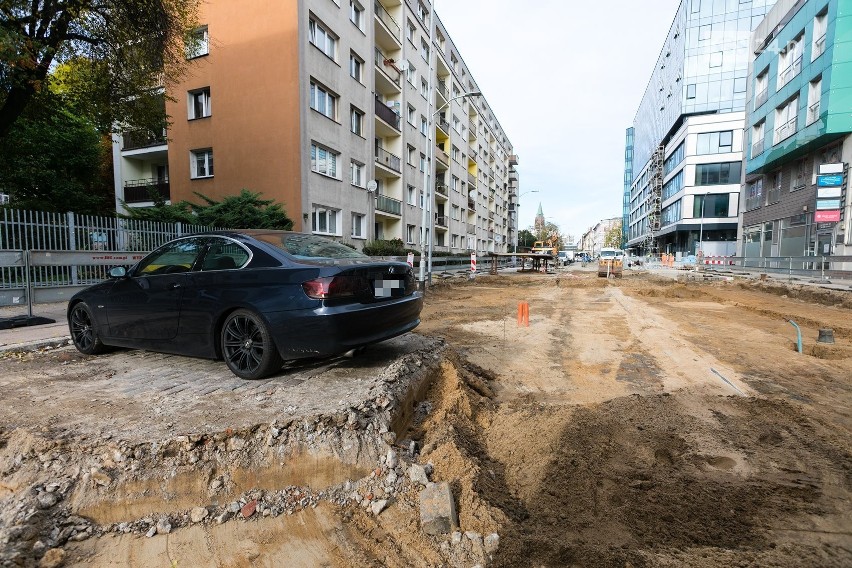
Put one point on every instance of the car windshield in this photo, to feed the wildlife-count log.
(611, 253)
(305, 246)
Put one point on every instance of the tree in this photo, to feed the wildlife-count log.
(127, 47)
(244, 211)
(525, 238)
(547, 231)
(612, 237)
(54, 160)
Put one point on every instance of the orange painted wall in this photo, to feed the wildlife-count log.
(253, 73)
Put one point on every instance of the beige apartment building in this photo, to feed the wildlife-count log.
(351, 114)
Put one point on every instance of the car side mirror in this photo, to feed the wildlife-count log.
(118, 272)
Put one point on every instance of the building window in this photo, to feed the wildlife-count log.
(674, 159)
(424, 49)
(774, 193)
(424, 87)
(324, 161)
(718, 174)
(409, 31)
(422, 162)
(356, 121)
(757, 134)
(323, 101)
(412, 154)
(716, 59)
(715, 142)
(801, 174)
(761, 84)
(356, 173)
(454, 183)
(814, 97)
(454, 61)
(754, 194)
(704, 32)
(356, 14)
(455, 153)
(673, 186)
(325, 220)
(198, 43)
(356, 67)
(712, 205)
(790, 60)
(359, 221)
(411, 195)
(785, 120)
(411, 75)
(423, 13)
(424, 126)
(201, 163)
(690, 91)
(818, 47)
(322, 38)
(199, 103)
(411, 115)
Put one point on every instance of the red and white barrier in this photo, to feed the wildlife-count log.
(727, 260)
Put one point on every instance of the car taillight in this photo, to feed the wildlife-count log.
(329, 288)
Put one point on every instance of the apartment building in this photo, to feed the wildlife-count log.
(353, 115)
(592, 241)
(795, 198)
(687, 136)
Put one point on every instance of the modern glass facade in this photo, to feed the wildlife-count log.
(701, 70)
(628, 181)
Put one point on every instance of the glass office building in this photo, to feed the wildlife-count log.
(702, 70)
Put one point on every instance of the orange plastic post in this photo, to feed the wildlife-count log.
(520, 313)
(526, 314)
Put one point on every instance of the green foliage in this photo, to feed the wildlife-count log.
(123, 51)
(525, 238)
(244, 211)
(392, 247)
(54, 160)
(612, 238)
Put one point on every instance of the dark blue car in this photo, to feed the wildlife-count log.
(253, 298)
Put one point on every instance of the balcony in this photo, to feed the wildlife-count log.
(387, 114)
(388, 160)
(471, 229)
(441, 155)
(785, 130)
(441, 221)
(388, 205)
(813, 112)
(442, 89)
(757, 148)
(137, 139)
(491, 235)
(513, 160)
(471, 180)
(444, 125)
(388, 68)
(141, 190)
(790, 71)
(441, 189)
(393, 28)
(471, 202)
(761, 98)
(819, 47)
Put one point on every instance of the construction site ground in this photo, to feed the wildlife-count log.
(634, 422)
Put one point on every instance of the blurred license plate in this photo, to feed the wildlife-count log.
(389, 288)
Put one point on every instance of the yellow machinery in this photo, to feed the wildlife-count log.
(611, 262)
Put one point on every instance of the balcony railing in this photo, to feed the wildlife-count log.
(441, 155)
(819, 47)
(442, 88)
(137, 139)
(445, 126)
(471, 180)
(383, 63)
(757, 148)
(790, 71)
(441, 189)
(813, 112)
(143, 190)
(388, 205)
(441, 220)
(471, 229)
(388, 21)
(471, 202)
(785, 130)
(388, 160)
(761, 97)
(387, 114)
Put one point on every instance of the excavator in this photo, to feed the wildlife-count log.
(548, 246)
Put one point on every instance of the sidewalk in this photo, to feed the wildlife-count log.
(33, 337)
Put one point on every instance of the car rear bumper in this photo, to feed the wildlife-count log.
(330, 330)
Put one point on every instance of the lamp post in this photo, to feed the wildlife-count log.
(428, 193)
(700, 246)
(518, 215)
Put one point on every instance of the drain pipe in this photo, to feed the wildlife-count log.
(798, 335)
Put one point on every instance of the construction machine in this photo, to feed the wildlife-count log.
(611, 262)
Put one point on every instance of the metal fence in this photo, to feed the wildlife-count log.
(23, 233)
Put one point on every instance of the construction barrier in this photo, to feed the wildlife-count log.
(726, 260)
(523, 314)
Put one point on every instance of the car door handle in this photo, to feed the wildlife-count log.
(174, 286)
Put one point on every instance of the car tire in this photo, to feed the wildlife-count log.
(84, 332)
(247, 346)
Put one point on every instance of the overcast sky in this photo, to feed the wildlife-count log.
(565, 83)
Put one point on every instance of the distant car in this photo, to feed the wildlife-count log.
(252, 298)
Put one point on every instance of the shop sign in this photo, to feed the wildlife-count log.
(832, 180)
(825, 204)
(827, 216)
(829, 192)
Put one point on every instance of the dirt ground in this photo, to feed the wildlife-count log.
(635, 422)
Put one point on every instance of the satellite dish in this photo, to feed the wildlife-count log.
(372, 186)
(403, 65)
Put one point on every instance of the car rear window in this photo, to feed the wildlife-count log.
(305, 246)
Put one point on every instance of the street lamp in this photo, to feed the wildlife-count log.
(428, 194)
(518, 215)
(700, 246)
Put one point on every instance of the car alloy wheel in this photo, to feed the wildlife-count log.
(83, 331)
(247, 346)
